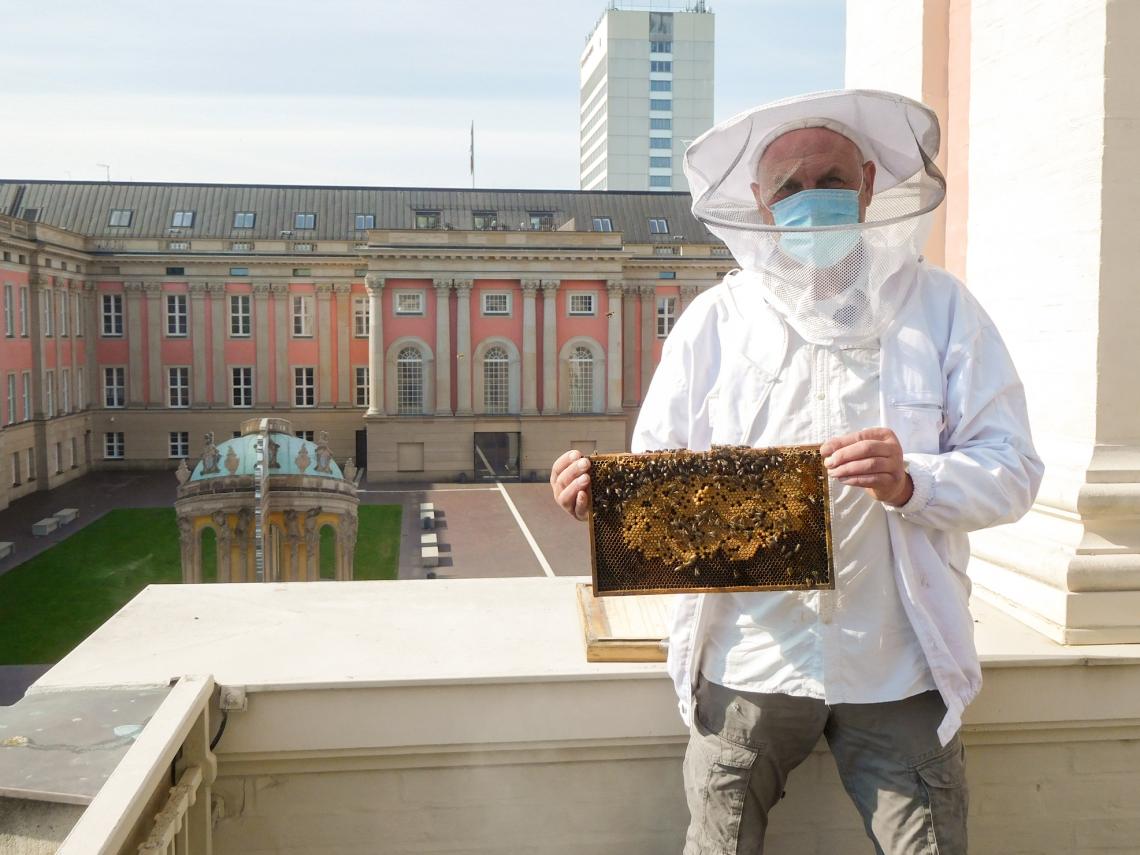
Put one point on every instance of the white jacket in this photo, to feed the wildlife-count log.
(948, 390)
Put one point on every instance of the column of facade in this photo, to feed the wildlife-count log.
(282, 329)
(463, 346)
(134, 343)
(549, 346)
(324, 343)
(156, 394)
(688, 294)
(261, 342)
(89, 305)
(614, 293)
(375, 285)
(345, 380)
(198, 379)
(443, 347)
(648, 295)
(530, 349)
(218, 332)
(75, 300)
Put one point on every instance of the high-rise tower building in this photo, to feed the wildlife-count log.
(646, 92)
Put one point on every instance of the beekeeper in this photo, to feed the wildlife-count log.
(835, 331)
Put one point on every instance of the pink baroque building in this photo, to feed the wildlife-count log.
(433, 334)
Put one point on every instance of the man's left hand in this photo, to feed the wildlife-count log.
(871, 459)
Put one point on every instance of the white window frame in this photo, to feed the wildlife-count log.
(49, 393)
(361, 316)
(178, 387)
(9, 320)
(397, 299)
(496, 313)
(244, 219)
(602, 224)
(363, 389)
(243, 316)
(23, 296)
(501, 405)
(178, 444)
(658, 226)
(26, 394)
(120, 217)
(305, 220)
(575, 393)
(65, 390)
(114, 387)
(114, 448)
(363, 222)
(182, 220)
(80, 389)
(177, 316)
(404, 403)
(302, 315)
(78, 312)
(304, 386)
(11, 398)
(666, 315)
(241, 386)
(48, 298)
(112, 315)
(592, 296)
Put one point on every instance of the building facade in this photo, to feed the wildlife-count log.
(433, 334)
(646, 92)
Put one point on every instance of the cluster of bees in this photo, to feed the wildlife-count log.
(733, 517)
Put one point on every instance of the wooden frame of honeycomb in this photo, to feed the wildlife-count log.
(731, 519)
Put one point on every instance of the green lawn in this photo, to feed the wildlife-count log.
(53, 601)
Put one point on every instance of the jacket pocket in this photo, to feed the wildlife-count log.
(918, 423)
(735, 406)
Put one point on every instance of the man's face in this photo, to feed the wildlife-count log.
(811, 159)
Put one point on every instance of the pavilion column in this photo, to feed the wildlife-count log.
(549, 346)
(688, 294)
(614, 293)
(89, 305)
(324, 343)
(443, 347)
(648, 295)
(343, 291)
(463, 346)
(197, 331)
(133, 291)
(261, 342)
(218, 333)
(153, 292)
(281, 334)
(530, 349)
(374, 282)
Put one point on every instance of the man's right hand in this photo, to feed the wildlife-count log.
(570, 481)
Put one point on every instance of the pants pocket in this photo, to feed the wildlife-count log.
(942, 782)
(718, 773)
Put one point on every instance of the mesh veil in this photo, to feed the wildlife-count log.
(826, 301)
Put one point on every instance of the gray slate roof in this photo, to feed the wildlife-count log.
(84, 207)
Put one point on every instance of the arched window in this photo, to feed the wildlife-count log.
(496, 381)
(581, 380)
(410, 382)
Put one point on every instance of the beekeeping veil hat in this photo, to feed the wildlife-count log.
(833, 283)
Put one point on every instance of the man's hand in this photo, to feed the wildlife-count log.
(871, 459)
(571, 483)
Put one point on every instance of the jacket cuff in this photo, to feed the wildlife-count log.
(923, 480)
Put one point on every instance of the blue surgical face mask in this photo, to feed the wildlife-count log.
(811, 208)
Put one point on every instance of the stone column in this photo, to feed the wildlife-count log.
(631, 392)
(283, 331)
(374, 282)
(261, 393)
(549, 346)
(324, 343)
(133, 308)
(463, 346)
(614, 293)
(688, 294)
(442, 347)
(345, 380)
(198, 384)
(219, 331)
(648, 333)
(156, 394)
(89, 305)
(74, 301)
(530, 349)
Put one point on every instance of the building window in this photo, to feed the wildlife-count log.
(244, 219)
(361, 317)
(239, 316)
(80, 389)
(302, 315)
(9, 320)
(65, 390)
(11, 399)
(304, 387)
(601, 224)
(113, 446)
(15, 469)
(304, 220)
(661, 162)
(409, 302)
(660, 47)
(496, 303)
(239, 271)
(427, 219)
(660, 124)
(660, 85)
(112, 314)
(581, 380)
(176, 271)
(666, 315)
(362, 393)
(658, 226)
(78, 316)
(24, 312)
(409, 382)
(179, 443)
(306, 435)
(49, 310)
(26, 394)
(667, 274)
(49, 394)
(182, 220)
(31, 464)
(496, 381)
(365, 221)
(176, 318)
(660, 104)
(120, 217)
(660, 142)
(178, 387)
(302, 271)
(581, 304)
(660, 65)
(661, 181)
(541, 220)
(485, 220)
(242, 387)
(114, 387)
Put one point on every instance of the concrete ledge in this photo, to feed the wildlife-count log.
(67, 515)
(429, 556)
(45, 526)
(429, 539)
(6, 548)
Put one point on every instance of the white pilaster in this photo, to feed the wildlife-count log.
(374, 282)
(463, 346)
(614, 293)
(443, 347)
(549, 346)
(530, 349)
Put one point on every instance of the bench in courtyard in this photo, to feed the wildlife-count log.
(67, 515)
(6, 549)
(45, 526)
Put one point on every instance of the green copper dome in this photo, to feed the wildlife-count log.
(286, 454)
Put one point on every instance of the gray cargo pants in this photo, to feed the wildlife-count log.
(910, 791)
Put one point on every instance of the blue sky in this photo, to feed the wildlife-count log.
(347, 92)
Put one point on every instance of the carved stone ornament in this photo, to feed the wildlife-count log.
(349, 470)
(211, 456)
(232, 462)
(324, 454)
(303, 461)
(182, 473)
(374, 282)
